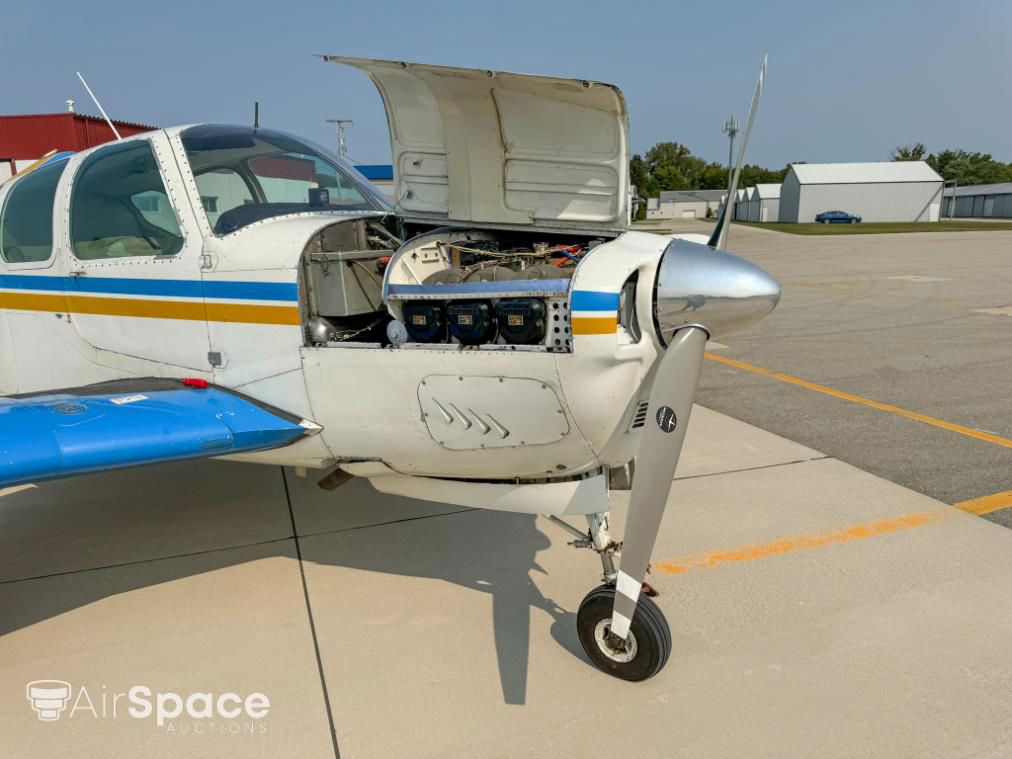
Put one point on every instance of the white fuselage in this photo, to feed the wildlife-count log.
(226, 308)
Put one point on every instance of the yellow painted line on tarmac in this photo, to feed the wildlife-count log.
(15, 489)
(793, 544)
(986, 437)
(986, 504)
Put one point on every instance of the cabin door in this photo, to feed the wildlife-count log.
(133, 259)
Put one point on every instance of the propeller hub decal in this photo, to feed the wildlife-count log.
(666, 419)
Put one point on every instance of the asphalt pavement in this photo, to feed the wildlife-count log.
(920, 322)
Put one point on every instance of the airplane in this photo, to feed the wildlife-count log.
(497, 337)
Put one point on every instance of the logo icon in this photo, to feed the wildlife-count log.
(666, 419)
(48, 698)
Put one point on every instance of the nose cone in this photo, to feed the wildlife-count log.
(721, 292)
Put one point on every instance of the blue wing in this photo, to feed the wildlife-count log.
(130, 422)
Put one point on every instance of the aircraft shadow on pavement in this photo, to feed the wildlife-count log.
(67, 544)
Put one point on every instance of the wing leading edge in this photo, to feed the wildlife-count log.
(131, 422)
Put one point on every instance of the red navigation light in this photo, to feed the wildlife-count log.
(194, 382)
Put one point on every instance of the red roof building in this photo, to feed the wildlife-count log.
(26, 138)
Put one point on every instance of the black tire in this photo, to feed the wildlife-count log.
(649, 629)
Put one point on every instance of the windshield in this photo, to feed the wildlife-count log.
(245, 175)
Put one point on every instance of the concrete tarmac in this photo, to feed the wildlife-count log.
(816, 610)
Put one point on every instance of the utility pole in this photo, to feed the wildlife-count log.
(341, 148)
(730, 128)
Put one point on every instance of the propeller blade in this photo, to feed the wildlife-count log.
(660, 446)
(718, 240)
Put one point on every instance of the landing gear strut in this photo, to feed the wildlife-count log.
(644, 650)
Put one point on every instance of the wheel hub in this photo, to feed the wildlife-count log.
(611, 645)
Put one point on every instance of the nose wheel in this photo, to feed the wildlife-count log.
(646, 647)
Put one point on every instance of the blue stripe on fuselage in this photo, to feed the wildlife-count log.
(173, 288)
(594, 300)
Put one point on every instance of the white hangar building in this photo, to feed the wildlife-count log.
(883, 191)
(980, 200)
(745, 204)
(739, 205)
(765, 205)
(685, 204)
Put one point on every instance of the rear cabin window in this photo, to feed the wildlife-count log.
(119, 207)
(26, 222)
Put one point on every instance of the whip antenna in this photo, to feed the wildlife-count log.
(105, 115)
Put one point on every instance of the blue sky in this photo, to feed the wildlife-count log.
(847, 81)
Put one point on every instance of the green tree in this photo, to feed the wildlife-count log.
(714, 177)
(963, 166)
(968, 168)
(913, 152)
(673, 167)
(751, 174)
(639, 176)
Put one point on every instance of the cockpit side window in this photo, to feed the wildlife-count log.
(289, 178)
(26, 222)
(245, 175)
(221, 190)
(119, 206)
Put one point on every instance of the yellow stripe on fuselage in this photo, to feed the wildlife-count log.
(594, 325)
(229, 312)
(152, 309)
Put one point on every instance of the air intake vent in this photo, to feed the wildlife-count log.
(640, 416)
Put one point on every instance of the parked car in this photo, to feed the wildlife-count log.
(837, 217)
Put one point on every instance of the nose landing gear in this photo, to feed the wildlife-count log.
(647, 645)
